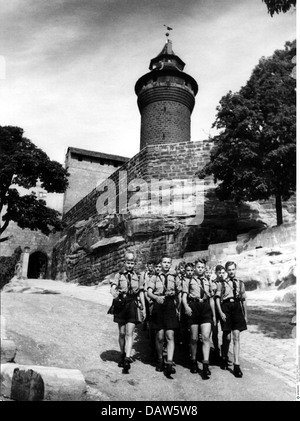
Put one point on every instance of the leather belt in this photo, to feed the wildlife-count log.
(197, 300)
(231, 300)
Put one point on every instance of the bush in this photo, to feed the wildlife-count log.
(7, 266)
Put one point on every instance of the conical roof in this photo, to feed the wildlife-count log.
(167, 59)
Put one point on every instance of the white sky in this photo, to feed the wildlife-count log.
(68, 67)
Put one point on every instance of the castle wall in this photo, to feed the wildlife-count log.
(94, 244)
(87, 170)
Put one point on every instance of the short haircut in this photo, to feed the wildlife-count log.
(129, 253)
(151, 262)
(203, 261)
(189, 265)
(165, 256)
(219, 267)
(227, 264)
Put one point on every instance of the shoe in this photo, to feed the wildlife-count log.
(126, 365)
(194, 367)
(224, 363)
(173, 371)
(237, 371)
(205, 372)
(169, 369)
(121, 362)
(160, 366)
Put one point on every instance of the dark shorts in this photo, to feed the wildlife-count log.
(128, 314)
(164, 315)
(235, 319)
(201, 313)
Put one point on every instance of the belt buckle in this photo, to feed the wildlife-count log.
(231, 300)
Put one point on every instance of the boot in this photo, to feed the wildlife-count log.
(122, 358)
(194, 366)
(224, 363)
(126, 366)
(169, 369)
(160, 365)
(206, 371)
(237, 371)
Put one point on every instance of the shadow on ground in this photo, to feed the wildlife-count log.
(273, 321)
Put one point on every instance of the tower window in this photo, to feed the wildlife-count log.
(165, 108)
(163, 135)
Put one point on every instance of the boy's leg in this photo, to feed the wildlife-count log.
(170, 337)
(236, 354)
(170, 344)
(159, 340)
(122, 333)
(226, 338)
(205, 332)
(129, 338)
(194, 333)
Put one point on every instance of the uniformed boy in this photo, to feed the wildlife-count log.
(198, 301)
(128, 288)
(231, 305)
(180, 272)
(221, 275)
(163, 289)
(145, 277)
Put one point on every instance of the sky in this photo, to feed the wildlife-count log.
(68, 67)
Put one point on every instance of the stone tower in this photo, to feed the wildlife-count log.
(166, 98)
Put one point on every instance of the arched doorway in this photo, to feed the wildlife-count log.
(37, 266)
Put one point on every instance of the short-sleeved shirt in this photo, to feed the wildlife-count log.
(225, 289)
(145, 277)
(198, 288)
(181, 279)
(165, 284)
(126, 286)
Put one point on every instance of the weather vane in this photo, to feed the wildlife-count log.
(168, 29)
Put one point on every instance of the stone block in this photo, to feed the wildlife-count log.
(38, 383)
(8, 350)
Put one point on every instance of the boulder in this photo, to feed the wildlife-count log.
(38, 383)
(8, 350)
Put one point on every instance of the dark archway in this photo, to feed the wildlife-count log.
(37, 266)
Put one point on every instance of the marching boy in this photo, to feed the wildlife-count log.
(163, 289)
(127, 287)
(231, 305)
(199, 305)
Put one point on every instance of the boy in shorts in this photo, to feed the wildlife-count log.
(199, 305)
(231, 305)
(164, 289)
(128, 287)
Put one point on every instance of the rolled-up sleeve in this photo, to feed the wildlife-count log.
(218, 290)
(152, 282)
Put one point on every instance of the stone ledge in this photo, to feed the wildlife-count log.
(38, 383)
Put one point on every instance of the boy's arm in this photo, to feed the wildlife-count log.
(187, 308)
(243, 301)
(212, 306)
(114, 285)
(218, 304)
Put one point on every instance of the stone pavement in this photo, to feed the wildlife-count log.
(268, 342)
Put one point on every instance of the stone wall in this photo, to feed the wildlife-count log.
(94, 243)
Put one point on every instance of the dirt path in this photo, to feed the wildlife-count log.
(63, 331)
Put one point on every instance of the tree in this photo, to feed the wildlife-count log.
(277, 6)
(254, 155)
(23, 164)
